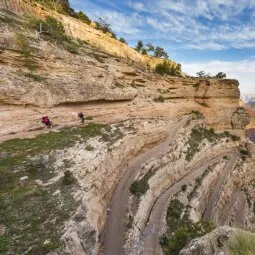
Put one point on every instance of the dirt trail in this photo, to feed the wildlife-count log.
(236, 208)
(152, 231)
(37, 131)
(214, 197)
(114, 233)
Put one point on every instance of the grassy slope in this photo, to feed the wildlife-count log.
(31, 213)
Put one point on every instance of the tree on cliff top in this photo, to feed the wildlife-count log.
(103, 25)
(139, 46)
(220, 75)
(159, 52)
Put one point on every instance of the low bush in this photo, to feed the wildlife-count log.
(242, 243)
(89, 147)
(166, 68)
(139, 187)
(52, 30)
(68, 178)
(159, 99)
(184, 187)
(26, 52)
(35, 77)
(197, 136)
(180, 229)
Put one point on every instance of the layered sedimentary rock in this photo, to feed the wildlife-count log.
(65, 79)
(83, 31)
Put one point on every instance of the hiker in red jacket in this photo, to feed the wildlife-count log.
(46, 121)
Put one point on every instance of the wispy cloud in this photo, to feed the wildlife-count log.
(194, 27)
(243, 71)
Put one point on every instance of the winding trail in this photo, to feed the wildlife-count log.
(215, 195)
(152, 231)
(236, 208)
(114, 232)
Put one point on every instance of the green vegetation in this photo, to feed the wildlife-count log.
(82, 16)
(52, 30)
(159, 99)
(242, 243)
(35, 77)
(199, 180)
(26, 52)
(184, 187)
(98, 57)
(122, 40)
(30, 212)
(139, 46)
(63, 6)
(166, 68)
(180, 229)
(68, 178)
(119, 85)
(158, 52)
(139, 187)
(197, 136)
(129, 223)
(89, 147)
(219, 75)
(103, 25)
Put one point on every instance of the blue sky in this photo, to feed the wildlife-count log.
(209, 35)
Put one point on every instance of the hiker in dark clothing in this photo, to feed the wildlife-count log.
(81, 117)
(46, 121)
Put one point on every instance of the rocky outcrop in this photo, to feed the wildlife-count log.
(219, 241)
(81, 30)
(94, 77)
(240, 118)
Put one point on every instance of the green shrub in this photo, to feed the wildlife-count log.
(166, 68)
(68, 178)
(244, 152)
(235, 138)
(122, 40)
(4, 243)
(35, 77)
(26, 52)
(242, 243)
(197, 136)
(119, 85)
(159, 99)
(82, 16)
(184, 187)
(180, 229)
(89, 147)
(52, 30)
(139, 187)
(71, 47)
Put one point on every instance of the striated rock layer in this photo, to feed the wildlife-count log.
(107, 87)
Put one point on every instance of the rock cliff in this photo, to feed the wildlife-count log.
(96, 77)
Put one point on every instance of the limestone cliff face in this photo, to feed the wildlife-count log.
(79, 29)
(123, 87)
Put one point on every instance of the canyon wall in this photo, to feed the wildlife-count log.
(78, 29)
(111, 88)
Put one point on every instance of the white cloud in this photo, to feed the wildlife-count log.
(243, 71)
(204, 24)
(136, 5)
